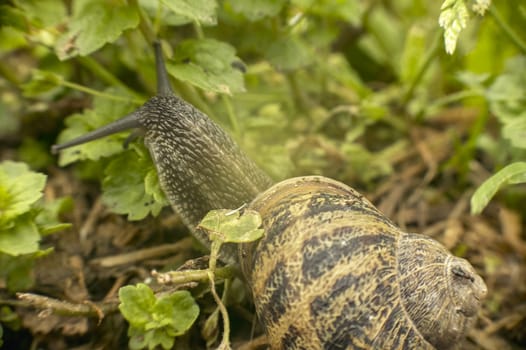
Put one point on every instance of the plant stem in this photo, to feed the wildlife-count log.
(430, 56)
(512, 35)
(188, 276)
(198, 30)
(87, 90)
(145, 26)
(61, 307)
(101, 72)
(231, 114)
(454, 97)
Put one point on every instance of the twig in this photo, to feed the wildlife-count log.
(187, 276)
(65, 308)
(144, 254)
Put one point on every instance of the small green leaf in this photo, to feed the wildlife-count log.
(207, 64)
(19, 189)
(229, 226)
(136, 304)
(414, 51)
(507, 94)
(202, 11)
(289, 53)
(95, 23)
(453, 18)
(514, 173)
(156, 321)
(515, 131)
(17, 274)
(22, 238)
(178, 311)
(257, 9)
(153, 187)
(43, 13)
(128, 187)
(47, 219)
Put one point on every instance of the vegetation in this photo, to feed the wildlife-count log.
(420, 105)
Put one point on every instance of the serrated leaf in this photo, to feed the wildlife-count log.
(207, 64)
(177, 310)
(22, 238)
(453, 18)
(136, 304)
(507, 94)
(156, 321)
(167, 17)
(514, 173)
(257, 9)
(95, 23)
(153, 187)
(202, 11)
(104, 112)
(230, 227)
(125, 188)
(289, 53)
(19, 189)
(43, 13)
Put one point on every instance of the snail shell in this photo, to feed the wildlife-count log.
(331, 272)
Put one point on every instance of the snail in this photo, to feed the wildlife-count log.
(331, 272)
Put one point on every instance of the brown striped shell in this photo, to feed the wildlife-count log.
(332, 272)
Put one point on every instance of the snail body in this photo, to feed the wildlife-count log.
(331, 272)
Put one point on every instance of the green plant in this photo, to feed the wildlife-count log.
(24, 220)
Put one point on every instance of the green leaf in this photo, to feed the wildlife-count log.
(414, 51)
(178, 311)
(12, 17)
(515, 131)
(22, 238)
(47, 219)
(136, 304)
(17, 271)
(156, 321)
(202, 11)
(19, 189)
(208, 64)
(289, 53)
(104, 112)
(95, 23)
(257, 9)
(229, 226)
(453, 18)
(129, 186)
(514, 173)
(43, 13)
(350, 11)
(507, 94)
(167, 17)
